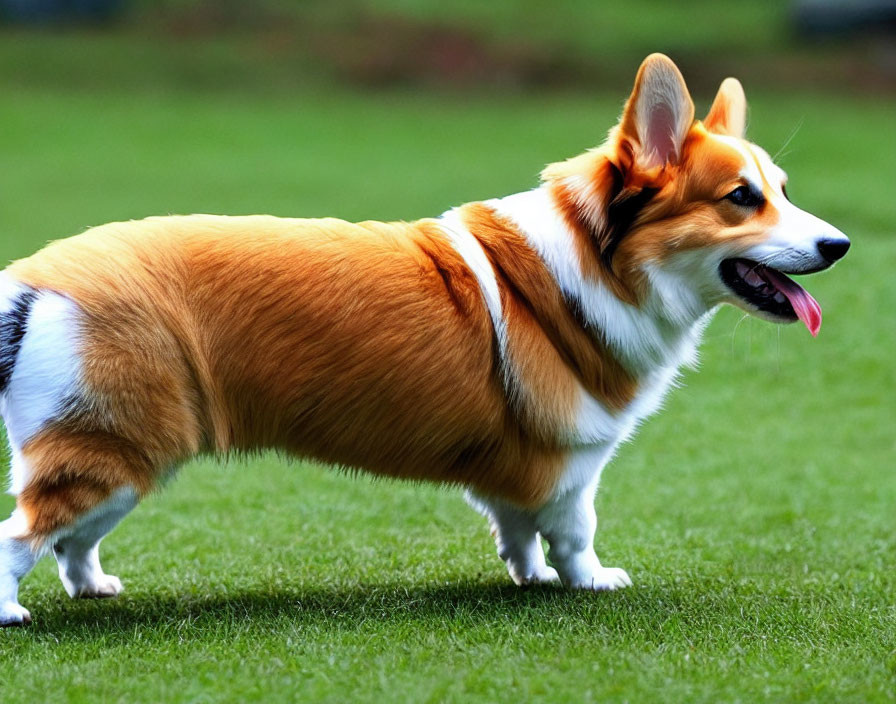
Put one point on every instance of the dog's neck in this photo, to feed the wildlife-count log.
(662, 331)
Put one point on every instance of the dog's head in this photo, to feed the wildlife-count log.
(682, 214)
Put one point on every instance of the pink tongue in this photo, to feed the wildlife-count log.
(805, 307)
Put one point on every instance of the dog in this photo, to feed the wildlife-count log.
(507, 346)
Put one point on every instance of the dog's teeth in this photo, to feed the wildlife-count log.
(753, 279)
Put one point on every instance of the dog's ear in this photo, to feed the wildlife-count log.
(728, 114)
(658, 114)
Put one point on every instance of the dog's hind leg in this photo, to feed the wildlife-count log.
(17, 558)
(79, 484)
(77, 554)
(92, 411)
(39, 369)
(517, 540)
(76, 547)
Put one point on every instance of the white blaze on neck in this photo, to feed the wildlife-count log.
(474, 255)
(470, 249)
(636, 336)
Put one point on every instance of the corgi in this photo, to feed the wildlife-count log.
(507, 346)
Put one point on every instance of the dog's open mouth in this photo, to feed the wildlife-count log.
(771, 291)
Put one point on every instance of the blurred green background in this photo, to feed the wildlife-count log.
(755, 514)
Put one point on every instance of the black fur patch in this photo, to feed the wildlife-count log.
(13, 324)
(621, 214)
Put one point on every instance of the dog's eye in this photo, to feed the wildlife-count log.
(746, 197)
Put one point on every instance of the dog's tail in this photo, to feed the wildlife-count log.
(15, 308)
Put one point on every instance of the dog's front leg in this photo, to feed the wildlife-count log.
(568, 522)
(516, 538)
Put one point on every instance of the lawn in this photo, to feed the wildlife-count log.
(755, 514)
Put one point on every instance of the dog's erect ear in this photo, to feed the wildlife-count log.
(728, 114)
(658, 113)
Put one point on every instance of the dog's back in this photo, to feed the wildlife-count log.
(365, 345)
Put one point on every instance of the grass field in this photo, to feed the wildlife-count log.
(755, 514)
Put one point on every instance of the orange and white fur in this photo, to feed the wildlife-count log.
(507, 346)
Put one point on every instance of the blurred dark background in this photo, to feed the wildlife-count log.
(508, 45)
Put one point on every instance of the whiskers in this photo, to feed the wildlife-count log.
(744, 317)
(765, 350)
(778, 349)
(782, 152)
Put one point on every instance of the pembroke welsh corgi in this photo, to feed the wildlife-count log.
(507, 346)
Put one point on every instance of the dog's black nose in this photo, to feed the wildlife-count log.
(832, 250)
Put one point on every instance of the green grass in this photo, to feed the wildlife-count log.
(755, 514)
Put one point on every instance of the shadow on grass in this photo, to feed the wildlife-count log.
(715, 613)
(341, 608)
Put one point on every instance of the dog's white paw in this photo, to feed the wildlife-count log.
(105, 587)
(12, 614)
(603, 579)
(540, 575)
